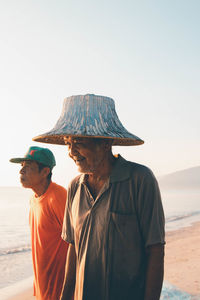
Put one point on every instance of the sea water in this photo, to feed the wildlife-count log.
(15, 249)
(182, 208)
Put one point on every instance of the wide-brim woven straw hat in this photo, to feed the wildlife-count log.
(89, 116)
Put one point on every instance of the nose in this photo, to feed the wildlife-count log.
(21, 170)
(72, 151)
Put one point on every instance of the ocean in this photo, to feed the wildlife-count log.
(181, 209)
(15, 249)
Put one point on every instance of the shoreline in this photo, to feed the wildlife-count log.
(182, 265)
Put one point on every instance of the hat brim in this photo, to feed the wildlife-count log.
(59, 139)
(19, 160)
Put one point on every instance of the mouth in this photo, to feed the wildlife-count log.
(22, 179)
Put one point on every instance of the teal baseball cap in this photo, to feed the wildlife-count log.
(38, 154)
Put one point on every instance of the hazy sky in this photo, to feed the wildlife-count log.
(143, 54)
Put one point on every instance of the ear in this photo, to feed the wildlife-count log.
(108, 144)
(45, 171)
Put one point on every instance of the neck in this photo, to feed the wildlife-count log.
(96, 180)
(41, 188)
(104, 170)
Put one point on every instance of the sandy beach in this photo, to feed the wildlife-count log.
(19, 291)
(182, 262)
(25, 295)
(182, 259)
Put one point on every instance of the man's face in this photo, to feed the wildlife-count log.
(86, 153)
(30, 176)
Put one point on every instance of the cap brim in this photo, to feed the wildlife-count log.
(18, 160)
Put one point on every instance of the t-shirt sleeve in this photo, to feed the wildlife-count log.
(67, 229)
(150, 211)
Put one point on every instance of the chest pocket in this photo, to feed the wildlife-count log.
(125, 231)
(125, 240)
(123, 217)
(126, 255)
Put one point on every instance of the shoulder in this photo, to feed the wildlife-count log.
(74, 182)
(140, 170)
(73, 186)
(58, 188)
(136, 170)
(143, 178)
(57, 193)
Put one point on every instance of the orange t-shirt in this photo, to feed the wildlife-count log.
(48, 249)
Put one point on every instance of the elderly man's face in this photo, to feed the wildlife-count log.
(30, 176)
(87, 153)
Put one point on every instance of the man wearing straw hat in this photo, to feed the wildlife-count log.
(114, 219)
(47, 206)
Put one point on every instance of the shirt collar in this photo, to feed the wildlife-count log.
(120, 172)
(83, 178)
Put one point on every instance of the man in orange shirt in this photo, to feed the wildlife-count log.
(46, 218)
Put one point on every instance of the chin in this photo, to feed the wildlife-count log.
(25, 185)
(85, 171)
(81, 170)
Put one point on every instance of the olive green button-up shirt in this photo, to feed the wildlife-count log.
(110, 233)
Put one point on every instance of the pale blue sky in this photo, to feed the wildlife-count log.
(143, 54)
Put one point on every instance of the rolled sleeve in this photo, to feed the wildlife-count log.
(150, 210)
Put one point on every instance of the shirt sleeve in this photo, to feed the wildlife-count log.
(150, 211)
(67, 229)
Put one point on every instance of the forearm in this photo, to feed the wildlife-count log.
(70, 275)
(154, 272)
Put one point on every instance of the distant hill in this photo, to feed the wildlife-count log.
(184, 179)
